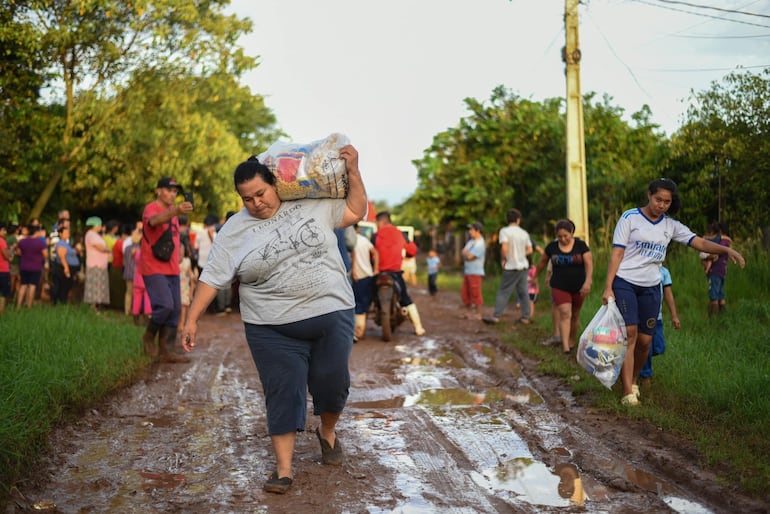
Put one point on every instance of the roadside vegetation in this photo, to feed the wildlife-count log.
(711, 386)
(54, 362)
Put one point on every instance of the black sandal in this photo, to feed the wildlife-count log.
(277, 485)
(329, 455)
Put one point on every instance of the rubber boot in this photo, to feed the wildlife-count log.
(148, 339)
(713, 309)
(414, 317)
(166, 341)
(360, 328)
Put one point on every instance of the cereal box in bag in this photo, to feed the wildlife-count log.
(602, 347)
(313, 170)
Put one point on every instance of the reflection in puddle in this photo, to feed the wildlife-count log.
(524, 479)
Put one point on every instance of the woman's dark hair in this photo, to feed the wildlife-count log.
(249, 169)
(668, 185)
(565, 224)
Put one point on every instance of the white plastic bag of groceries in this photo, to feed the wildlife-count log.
(603, 344)
(312, 170)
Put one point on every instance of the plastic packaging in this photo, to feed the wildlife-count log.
(312, 170)
(603, 344)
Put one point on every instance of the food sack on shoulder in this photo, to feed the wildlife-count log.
(312, 170)
(603, 344)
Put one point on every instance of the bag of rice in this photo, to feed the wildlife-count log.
(312, 170)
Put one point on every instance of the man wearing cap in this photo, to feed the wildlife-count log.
(473, 270)
(161, 278)
(516, 246)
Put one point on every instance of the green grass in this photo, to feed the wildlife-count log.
(53, 363)
(713, 383)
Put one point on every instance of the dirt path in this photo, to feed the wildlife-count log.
(450, 422)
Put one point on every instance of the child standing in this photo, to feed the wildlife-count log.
(140, 303)
(434, 263)
(533, 287)
(187, 280)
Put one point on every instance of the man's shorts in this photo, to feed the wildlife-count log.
(363, 291)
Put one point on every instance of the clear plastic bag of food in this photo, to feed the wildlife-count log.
(603, 344)
(313, 170)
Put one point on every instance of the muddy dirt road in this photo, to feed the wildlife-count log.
(449, 422)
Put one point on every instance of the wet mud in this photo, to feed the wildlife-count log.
(449, 422)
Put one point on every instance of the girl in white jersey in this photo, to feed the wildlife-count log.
(639, 247)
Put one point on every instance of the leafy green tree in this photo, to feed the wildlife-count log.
(510, 152)
(622, 157)
(92, 47)
(194, 129)
(507, 153)
(23, 123)
(722, 154)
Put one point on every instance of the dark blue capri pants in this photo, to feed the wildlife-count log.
(292, 359)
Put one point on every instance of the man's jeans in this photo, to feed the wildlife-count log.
(513, 279)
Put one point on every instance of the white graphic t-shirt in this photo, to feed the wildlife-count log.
(289, 266)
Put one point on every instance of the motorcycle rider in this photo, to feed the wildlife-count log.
(391, 245)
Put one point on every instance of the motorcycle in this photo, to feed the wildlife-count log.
(388, 312)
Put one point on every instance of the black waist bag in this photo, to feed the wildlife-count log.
(164, 246)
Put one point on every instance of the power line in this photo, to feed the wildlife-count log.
(707, 36)
(612, 49)
(700, 70)
(702, 14)
(700, 6)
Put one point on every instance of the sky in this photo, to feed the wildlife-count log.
(392, 75)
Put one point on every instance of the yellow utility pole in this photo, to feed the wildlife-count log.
(577, 203)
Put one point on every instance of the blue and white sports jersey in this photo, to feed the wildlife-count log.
(645, 243)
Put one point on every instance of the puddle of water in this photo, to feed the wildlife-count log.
(685, 506)
(502, 465)
(524, 479)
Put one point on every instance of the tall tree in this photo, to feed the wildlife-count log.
(722, 154)
(93, 46)
(510, 152)
(22, 122)
(165, 123)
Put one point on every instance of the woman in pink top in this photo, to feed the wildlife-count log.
(97, 286)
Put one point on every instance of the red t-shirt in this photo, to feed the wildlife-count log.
(391, 244)
(117, 254)
(149, 265)
(5, 266)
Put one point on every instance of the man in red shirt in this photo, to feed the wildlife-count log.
(161, 278)
(391, 245)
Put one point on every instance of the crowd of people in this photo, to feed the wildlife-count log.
(96, 263)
